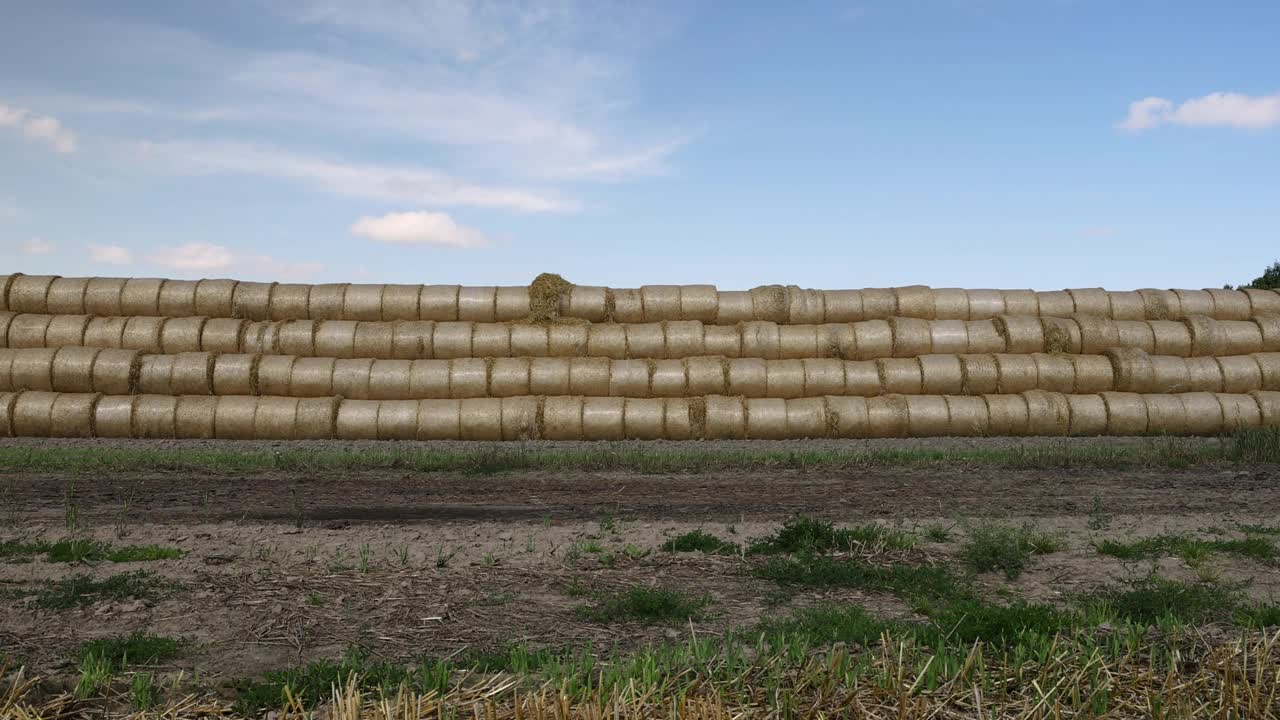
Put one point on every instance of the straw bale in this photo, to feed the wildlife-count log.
(549, 376)
(325, 301)
(1169, 375)
(222, 334)
(429, 379)
(784, 379)
(235, 374)
(1172, 337)
(607, 340)
(317, 418)
(590, 303)
(298, 337)
(1093, 373)
(155, 416)
(1230, 305)
(1204, 374)
(837, 340)
(364, 302)
(668, 378)
(439, 419)
(704, 375)
(911, 337)
(102, 296)
(1091, 301)
(879, 303)
(72, 369)
(1240, 374)
(28, 331)
(478, 304)
(1056, 303)
(985, 337)
(660, 302)
(275, 418)
(941, 375)
(6, 281)
(548, 297)
(1166, 415)
(468, 378)
(1048, 413)
(141, 296)
(182, 334)
(1269, 364)
(967, 416)
(766, 418)
(748, 377)
(1015, 373)
(411, 339)
(72, 415)
(1135, 334)
(1126, 413)
(1204, 413)
(358, 420)
(862, 378)
(106, 332)
(806, 418)
(374, 340)
(66, 330)
(1021, 334)
(734, 306)
(1268, 407)
(823, 376)
(562, 418)
(212, 298)
(915, 301)
(350, 377)
(520, 418)
(902, 376)
(683, 418)
(873, 339)
(1239, 337)
(645, 340)
(1269, 326)
(66, 296)
(155, 374)
(630, 378)
(1206, 335)
(566, 340)
(177, 298)
(805, 307)
(627, 305)
(1021, 302)
(701, 303)
(113, 416)
(841, 306)
(589, 376)
(1097, 334)
(848, 417)
(6, 318)
(192, 374)
(143, 333)
(1262, 302)
(6, 368)
(439, 302)
(311, 376)
(1061, 334)
(251, 339)
(979, 374)
(30, 293)
(400, 302)
(760, 339)
(684, 338)
(1239, 411)
(195, 417)
(398, 420)
(927, 416)
(32, 414)
(1132, 370)
(509, 377)
(1161, 304)
(252, 300)
(726, 418)
(802, 341)
(721, 340)
(1127, 305)
(275, 373)
(642, 418)
(1009, 415)
(290, 301)
(948, 337)
(452, 340)
(887, 417)
(951, 304)
(1088, 415)
(1195, 302)
(769, 303)
(602, 418)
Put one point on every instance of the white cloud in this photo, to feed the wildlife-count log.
(1220, 109)
(109, 254)
(36, 246)
(194, 257)
(199, 259)
(418, 228)
(38, 127)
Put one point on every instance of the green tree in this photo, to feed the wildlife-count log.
(1269, 280)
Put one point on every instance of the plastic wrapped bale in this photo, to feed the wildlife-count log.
(1269, 364)
(660, 302)
(1021, 334)
(1204, 413)
(887, 417)
(588, 376)
(948, 337)
(1240, 374)
(113, 416)
(733, 307)
(627, 306)
(1172, 337)
(1239, 337)
(1195, 302)
(400, 302)
(761, 339)
(1093, 373)
(102, 296)
(520, 418)
(769, 303)
(236, 374)
(252, 300)
(1239, 411)
(590, 303)
(298, 337)
(562, 418)
(509, 377)
(32, 414)
(805, 307)
(1230, 305)
(192, 374)
(141, 296)
(1016, 373)
(1204, 374)
(27, 331)
(824, 376)
(72, 415)
(684, 418)
(104, 332)
(967, 416)
(862, 378)
(389, 380)
(325, 301)
(439, 302)
(1169, 375)
(1268, 407)
(317, 418)
(602, 418)
(1088, 415)
(1133, 370)
(1009, 415)
(66, 296)
(1262, 302)
(1206, 335)
(701, 303)
(1091, 301)
(549, 376)
(848, 417)
(439, 419)
(223, 335)
(155, 417)
(1269, 328)
(979, 374)
(643, 418)
(32, 369)
(358, 420)
(1021, 302)
(363, 302)
(668, 378)
(1127, 305)
(72, 369)
(784, 379)
(566, 340)
(1048, 414)
(950, 304)
(1135, 334)
(807, 418)
(177, 298)
(1055, 303)
(195, 417)
(629, 378)
(766, 418)
(1055, 372)
(374, 340)
(726, 418)
(684, 338)
(311, 377)
(275, 418)
(940, 375)
(1126, 413)
(411, 339)
(214, 298)
(350, 377)
(842, 306)
(275, 373)
(911, 337)
(398, 419)
(927, 416)
(336, 338)
(1166, 415)
(478, 304)
(902, 376)
(30, 293)
(115, 372)
(873, 339)
(1097, 334)
(705, 376)
(66, 330)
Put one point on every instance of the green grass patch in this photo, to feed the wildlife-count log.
(700, 541)
(82, 590)
(912, 582)
(1007, 548)
(644, 604)
(805, 535)
(314, 682)
(1155, 600)
(86, 550)
(1188, 548)
(140, 648)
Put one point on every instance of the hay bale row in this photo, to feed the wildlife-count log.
(549, 297)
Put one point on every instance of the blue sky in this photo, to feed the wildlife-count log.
(974, 143)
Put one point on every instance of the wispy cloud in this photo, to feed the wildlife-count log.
(418, 228)
(200, 259)
(36, 246)
(1220, 109)
(42, 128)
(109, 254)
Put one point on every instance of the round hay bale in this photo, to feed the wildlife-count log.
(28, 331)
(1204, 413)
(509, 377)
(222, 335)
(520, 418)
(510, 303)
(590, 376)
(862, 378)
(195, 418)
(439, 419)
(66, 296)
(298, 337)
(565, 340)
(879, 303)
(1238, 337)
(1268, 407)
(668, 378)
(290, 301)
(733, 307)
(1206, 335)
(1055, 303)
(32, 369)
(948, 337)
(113, 416)
(336, 338)
(177, 298)
(985, 337)
(389, 380)
(1097, 334)
(701, 303)
(317, 418)
(627, 306)
(400, 302)
(748, 377)
(105, 332)
(235, 374)
(1195, 302)
(1126, 413)
(32, 414)
(549, 376)
(102, 296)
(873, 339)
(704, 376)
(1135, 334)
(251, 338)
(66, 330)
(940, 375)
(192, 374)
(252, 300)
(951, 304)
(590, 303)
(1093, 373)
(630, 378)
(968, 416)
(325, 301)
(684, 338)
(805, 307)
(350, 377)
(1009, 415)
(72, 369)
(607, 340)
(155, 417)
(769, 303)
(847, 417)
(823, 376)
(927, 416)
(1021, 334)
(364, 302)
(1239, 411)
(6, 369)
(645, 340)
(1269, 327)
(837, 340)
(887, 417)
(807, 418)
(660, 302)
(478, 304)
(1169, 375)
(275, 373)
(1269, 364)
(1055, 373)
(681, 420)
(562, 418)
(1020, 302)
(1262, 302)
(1240, 374)
(979, 374)
(1132, 370)
(411, 339)
(1048, 414)
(1204, 374)
(6, 318)
(1172, 337)
(644, 418)
(1088, 415)
(266, 341)
(72, 415)
(310, 377)
(901, 376)
(1127, 305)
(1016, 373)
(115, 372)
(1161, 304)
(726, 418)
(1061, 335)
(915, 301)
(724, 341)
(30, 294)
(1091, 301)
(842, 306)
(374, 340)
(911, 337)
(602, 418)
(439, 302)
(398, 419)
(358, 420)
(766, 418)
(213, 298)
(141, 296)
(6, 281)
(784, 379)
(181, 334)
(761, 339)
(1230, 305)
(802, 341)
(275, 418)
(1166, 415)
(155, 374)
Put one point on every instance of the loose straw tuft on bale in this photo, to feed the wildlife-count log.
(769, 303)
(1132, 370)
(1061, 334)
(546, 293)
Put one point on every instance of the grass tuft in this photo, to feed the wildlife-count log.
(139, 648)
(805, 535)
(700, 541)
(82, 590)
(648, 605)
(1188, 548)
(1006, 548)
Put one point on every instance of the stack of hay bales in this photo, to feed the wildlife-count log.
(150, 358)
